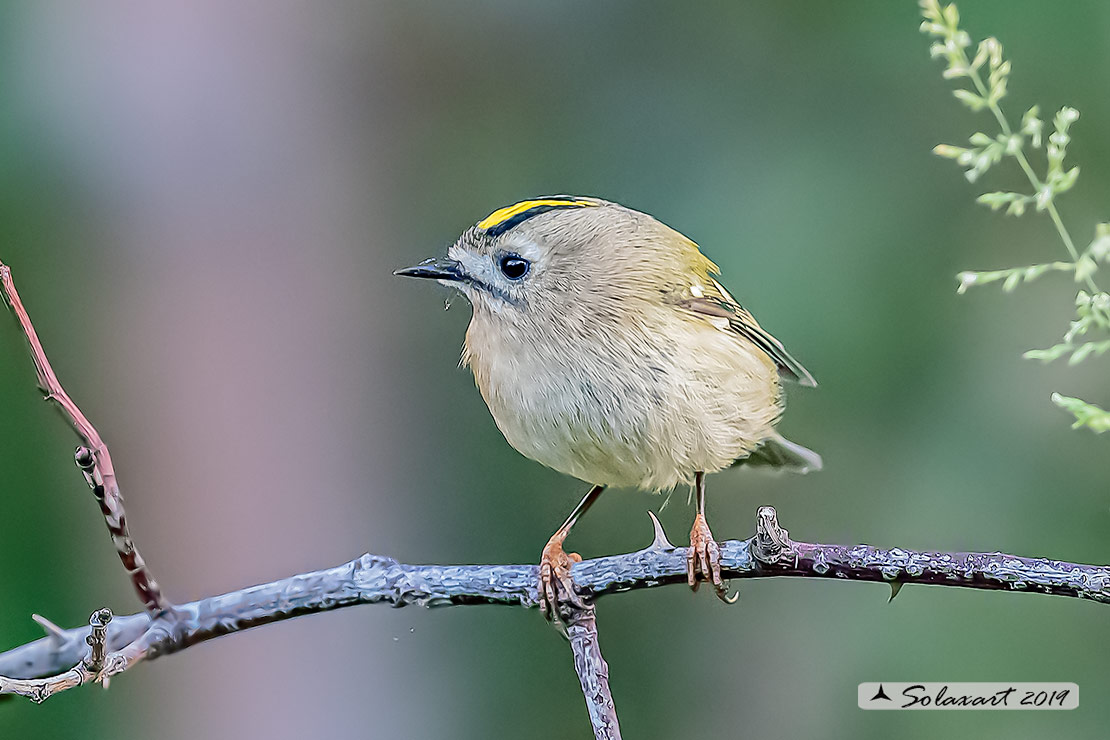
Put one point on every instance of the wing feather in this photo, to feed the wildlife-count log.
(717, 303)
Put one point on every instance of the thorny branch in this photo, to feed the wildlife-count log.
(373, 579)
(64, 658)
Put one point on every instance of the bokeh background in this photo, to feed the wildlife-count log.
(203, 202)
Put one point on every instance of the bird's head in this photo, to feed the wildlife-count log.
(549, 259)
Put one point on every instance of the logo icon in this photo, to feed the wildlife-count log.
(880, 694)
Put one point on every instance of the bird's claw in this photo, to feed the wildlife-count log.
(703, 559)
(556, 586)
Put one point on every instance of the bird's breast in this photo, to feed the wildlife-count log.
(626, 407)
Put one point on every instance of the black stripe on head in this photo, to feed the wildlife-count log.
(501, 221)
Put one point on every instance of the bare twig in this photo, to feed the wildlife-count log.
(94, 459)
(96, 665)
(374, 579)
(98, 639)
(593, 673)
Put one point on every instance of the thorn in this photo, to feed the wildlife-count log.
(56, 634)
(660, 541)
(895, 587)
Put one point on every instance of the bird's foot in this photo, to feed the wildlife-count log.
(556, 587)
(703, 559)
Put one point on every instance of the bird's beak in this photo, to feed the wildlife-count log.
(435, 269)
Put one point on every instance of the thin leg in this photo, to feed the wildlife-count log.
(699, 485)
(555, 582)
(703, 559)
(583, 506)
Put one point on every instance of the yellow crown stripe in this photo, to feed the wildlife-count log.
(502, 215)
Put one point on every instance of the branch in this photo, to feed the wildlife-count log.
(373, 579)
(93, 458)
(593, 674)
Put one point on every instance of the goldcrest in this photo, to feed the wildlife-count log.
(605, 349)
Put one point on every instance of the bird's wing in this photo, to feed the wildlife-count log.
(716, 302)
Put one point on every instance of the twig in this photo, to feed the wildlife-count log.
(96, 665)
(1023, 162)
(593, 673)
(93, 458)
(98, 639)
(374, 579)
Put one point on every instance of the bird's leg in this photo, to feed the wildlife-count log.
(704, 556)
(556, 584)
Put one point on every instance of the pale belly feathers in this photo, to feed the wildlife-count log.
(631, 410)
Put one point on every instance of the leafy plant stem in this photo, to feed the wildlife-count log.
(1019, 155)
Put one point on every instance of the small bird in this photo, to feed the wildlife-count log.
(606, 350)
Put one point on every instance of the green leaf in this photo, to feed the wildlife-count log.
(997, 81)
(1011, 277)
(952, 16)
(1084, 268)
(1086, 349)
(1099, 249)
(1086, 414)
(1058, 141)
(1054, 352)
(1043, 197)
(949, 152)
(1065, 181)
(1032, 126)
(980, 57)
(997, 200)
(994, 50)
(1064, 118)
(970, 99)
(930, 9)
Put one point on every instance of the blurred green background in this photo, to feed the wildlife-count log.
(203, 202)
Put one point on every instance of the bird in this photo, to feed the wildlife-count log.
(606, 349)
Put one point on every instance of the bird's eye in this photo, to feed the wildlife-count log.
(514, 267)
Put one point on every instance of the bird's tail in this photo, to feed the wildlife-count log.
(778, 453)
